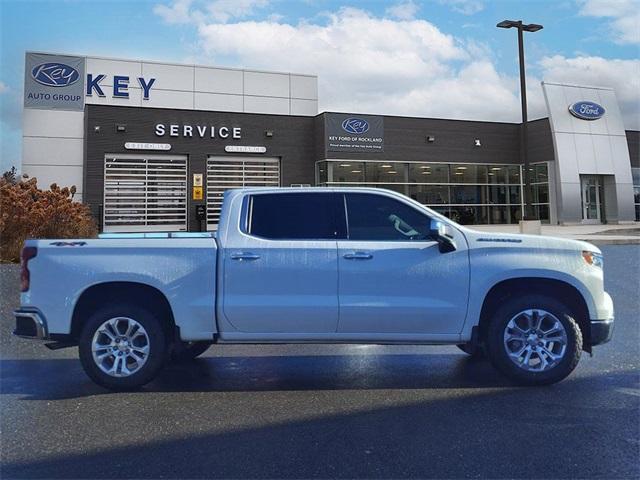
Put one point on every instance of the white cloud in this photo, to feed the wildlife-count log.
(622, 75)
(384, 65)
(188, 11)
(3, 88)
(178, 12)
(624, 14)
(224, 10)
(466, 7)
(403, 11)
(372, 64)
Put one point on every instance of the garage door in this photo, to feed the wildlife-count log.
(145, 193)
(234, 172)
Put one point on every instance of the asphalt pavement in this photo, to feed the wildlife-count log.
(296, 411)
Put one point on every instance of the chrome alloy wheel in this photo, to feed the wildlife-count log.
(535, 340)
(120, 347)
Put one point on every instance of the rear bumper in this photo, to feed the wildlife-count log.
(30, 324)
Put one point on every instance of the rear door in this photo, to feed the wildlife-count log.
(281, 272)
(393, 279)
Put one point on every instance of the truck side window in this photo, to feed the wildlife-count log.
(296, 216)
(376, 217)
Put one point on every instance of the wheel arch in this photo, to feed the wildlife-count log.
(567, 293)
(136, 293)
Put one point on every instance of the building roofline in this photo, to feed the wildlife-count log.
(562, 84)
(413, 117)
(177, 64)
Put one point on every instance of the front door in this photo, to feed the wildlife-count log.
(591, 211)
(393, 278)
(281, 273)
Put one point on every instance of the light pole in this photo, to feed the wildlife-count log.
(524, 157)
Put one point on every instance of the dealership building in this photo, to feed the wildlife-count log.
(152, 146)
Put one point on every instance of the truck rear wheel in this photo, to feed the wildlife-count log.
(122, 347)
(534, 340)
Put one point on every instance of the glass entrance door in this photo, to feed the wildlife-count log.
(591, 199)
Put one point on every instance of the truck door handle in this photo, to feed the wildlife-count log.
(358, 256)
(244, 256)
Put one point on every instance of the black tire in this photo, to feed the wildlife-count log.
(156, 340)
(498, 353)
(474, 351)
(187, 351)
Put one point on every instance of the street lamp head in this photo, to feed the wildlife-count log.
(532, 27)
(507, 24)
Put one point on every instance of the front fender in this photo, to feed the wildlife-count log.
(480, 290)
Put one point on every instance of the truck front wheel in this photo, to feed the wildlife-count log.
(534, 340)
(122, 347)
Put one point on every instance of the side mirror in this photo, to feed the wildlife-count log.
(442, 233)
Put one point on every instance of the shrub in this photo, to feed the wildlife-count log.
(29, 212)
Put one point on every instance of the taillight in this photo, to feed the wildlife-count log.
(27, 254)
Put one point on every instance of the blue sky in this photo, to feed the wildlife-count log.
(440, 58)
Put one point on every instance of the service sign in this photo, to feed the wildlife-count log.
(586, 110)
(354, 133)
(54, 82)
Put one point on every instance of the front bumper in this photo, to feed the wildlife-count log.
(30, 324)
(602, 329)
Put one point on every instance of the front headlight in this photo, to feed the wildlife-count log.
(593, 258)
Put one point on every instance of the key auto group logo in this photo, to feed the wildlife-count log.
(55, 74)
(356, 126)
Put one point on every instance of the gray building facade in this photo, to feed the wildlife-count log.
(153, 147)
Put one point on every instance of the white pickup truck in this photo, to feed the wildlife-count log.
(336, 265)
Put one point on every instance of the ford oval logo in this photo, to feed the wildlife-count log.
(55, 74)
(357, 126)
(586, 110)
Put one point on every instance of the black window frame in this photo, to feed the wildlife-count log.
(338, 219)
(429, 218)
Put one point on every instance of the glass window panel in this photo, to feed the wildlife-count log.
(469, 173)
(439, 174)
(637, 213)
(322, 172)
(540, 193)
(287, 216)
(635, 174)
(428, 173)
(513, 173)
(516, 214)
(374, 217)
(385, 172)
(514, 194)
(348, 171)
(429, 194)
(497, 174)
(636, 194)
(541, 212)
(498, 194)
(471, 194)
(540, 174)
(499, 215)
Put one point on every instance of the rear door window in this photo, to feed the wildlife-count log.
(296, 216)
(377, 217)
